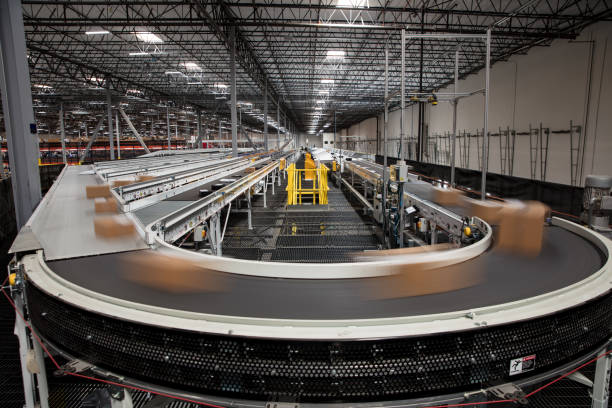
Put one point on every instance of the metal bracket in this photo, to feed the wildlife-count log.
(581, 379)
(74, 366)
(509, 391)
(282, 405)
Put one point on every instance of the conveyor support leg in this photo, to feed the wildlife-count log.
(249, 210)
(29, 348)
(265, 189)
(601, 384)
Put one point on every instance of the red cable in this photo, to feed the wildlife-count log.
(465, 404)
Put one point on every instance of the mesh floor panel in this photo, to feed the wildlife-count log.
(307, 233)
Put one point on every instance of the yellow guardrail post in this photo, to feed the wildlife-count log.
(291, 184)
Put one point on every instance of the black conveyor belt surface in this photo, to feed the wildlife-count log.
(566, 259)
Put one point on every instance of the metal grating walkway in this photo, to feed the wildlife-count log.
(306, 233)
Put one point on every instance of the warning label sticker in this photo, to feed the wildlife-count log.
(522, 364)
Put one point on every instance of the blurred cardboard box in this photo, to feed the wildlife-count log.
(521, 228)
(121, 183)
(102, 190)
(488, 210)
(113, 227)
(105, 205)
(447, 196)
(143, 177)
(170, 273)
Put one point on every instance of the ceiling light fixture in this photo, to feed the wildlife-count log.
(335, 54)
(352, 3)
(327, 81)
(148, 37)
(97, 32)
(138, 54)
(192, 66)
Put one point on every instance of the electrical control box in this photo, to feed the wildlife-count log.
(398, 171)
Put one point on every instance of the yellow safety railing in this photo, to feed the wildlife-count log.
(319, 188)
(310, 168)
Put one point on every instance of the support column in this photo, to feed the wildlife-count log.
(601, 383)
(250, 215)
(403, 92)
(168, 126)
(62, 132)
(454, 135)
(199, 139)
(218, 235)
(233, 90)
(118, 132)
(265, 190)
(265, 118)
(21, 136)
(109, 118)
(278, 127)
(485, 136)
(385, 131)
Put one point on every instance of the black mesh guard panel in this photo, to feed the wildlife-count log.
(319, 371)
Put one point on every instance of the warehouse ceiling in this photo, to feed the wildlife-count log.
(314, 57)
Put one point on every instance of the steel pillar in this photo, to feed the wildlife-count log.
(21, 134)
(454, 135)
(233, 91)
(278, 127)
(403, 92)
(199, 138)
(385, 131)
(118, 131)
(62, 132)
(265, 118)
(485, 136)
(109, 119)
(168, 126)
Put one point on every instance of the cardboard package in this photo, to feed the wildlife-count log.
(121, 183)
(143, 177)
(489, 210)
(106, 205)
(113, 227)
(96, 191)
(521, 228)
(447, 196)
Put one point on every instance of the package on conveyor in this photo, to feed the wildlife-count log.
(417, 277)
(121, 183)
(170, 273)
(144, 177)
(448, 196)
(97, 191)
(521, 227)
(105, 205)
(113, 226)
(488, 210)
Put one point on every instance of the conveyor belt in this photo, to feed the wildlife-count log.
(566, 259)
